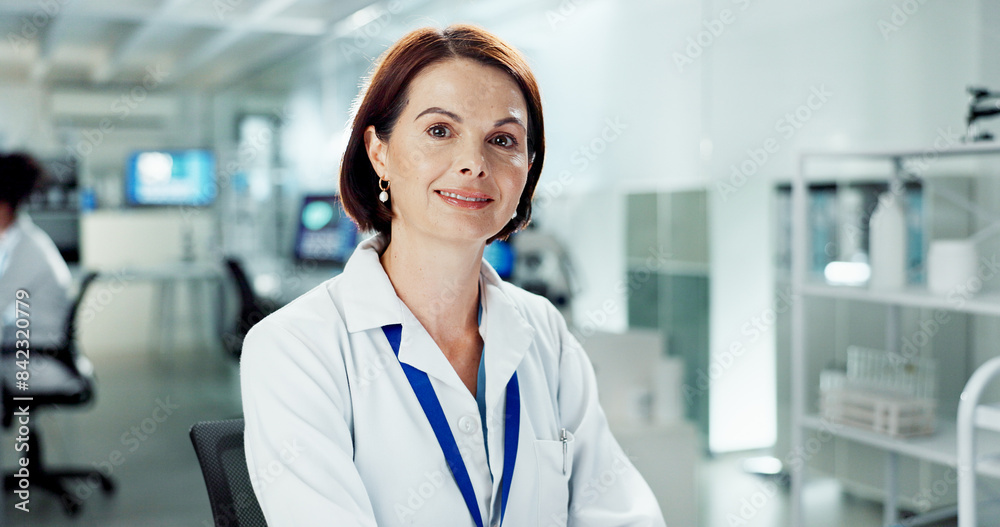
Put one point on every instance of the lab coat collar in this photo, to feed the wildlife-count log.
(370, 301)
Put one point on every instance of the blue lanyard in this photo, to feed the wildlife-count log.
(428, 399)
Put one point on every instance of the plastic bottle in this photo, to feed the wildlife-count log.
(887, 243)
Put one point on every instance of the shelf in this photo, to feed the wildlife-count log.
(987, 303)
(988, 417)
(963, 149)
(669, 267)
(940, 447)
(72, 213)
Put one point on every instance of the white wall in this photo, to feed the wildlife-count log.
(24, 123)
(576, 198)
(883, 93)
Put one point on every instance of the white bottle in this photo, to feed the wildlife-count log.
(887, 243)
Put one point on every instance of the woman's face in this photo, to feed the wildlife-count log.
(457, 159)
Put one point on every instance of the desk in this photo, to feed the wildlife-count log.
(169, 276)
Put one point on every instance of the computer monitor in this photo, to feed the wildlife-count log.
(325, 234)
(170, 177)
(500, 254)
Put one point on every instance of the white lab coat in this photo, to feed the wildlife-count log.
(30, 261)
(336, 437)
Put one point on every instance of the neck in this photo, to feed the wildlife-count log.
(437, 279)
(7, 217)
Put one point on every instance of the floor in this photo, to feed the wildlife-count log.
(138, 430)
(731, 497)
(153, 463)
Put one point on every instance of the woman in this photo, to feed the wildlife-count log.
(29, 260)
(417, 388)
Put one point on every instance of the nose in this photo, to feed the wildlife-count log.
(471, 161)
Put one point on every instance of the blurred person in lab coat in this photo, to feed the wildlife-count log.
(29, 260)
(417, 387)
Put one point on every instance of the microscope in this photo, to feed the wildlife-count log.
(984, 103)
(543, 267)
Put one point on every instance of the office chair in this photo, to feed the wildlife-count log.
(251, 309)
(57, 376)
(219, 445)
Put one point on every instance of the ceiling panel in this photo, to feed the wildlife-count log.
(161, 53)
(174, 39)
(226, 11)
(325, 9)
(8, 25)
(112, 41)
(95, 33)
(250, 55)
(116, 4)
(76, 72)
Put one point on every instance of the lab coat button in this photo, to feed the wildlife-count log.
(467, 424)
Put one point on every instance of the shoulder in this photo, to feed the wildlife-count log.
(293, 362)
(558, 347)
(34, 238)
(551, 330)
(38, 254)
(535, 308)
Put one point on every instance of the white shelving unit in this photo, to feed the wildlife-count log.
(974, 421)
(943, 446)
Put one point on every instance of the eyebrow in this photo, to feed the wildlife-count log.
(453, 115)
(435, 109)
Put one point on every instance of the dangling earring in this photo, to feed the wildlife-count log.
(384, 196)
(515, 214)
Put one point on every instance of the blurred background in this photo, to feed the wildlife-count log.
(192, 149)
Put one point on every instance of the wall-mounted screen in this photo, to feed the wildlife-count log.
(325, 234)
(170, 177)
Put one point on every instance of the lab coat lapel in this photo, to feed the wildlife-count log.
(419, 350)
(371, 302)
(508, 336)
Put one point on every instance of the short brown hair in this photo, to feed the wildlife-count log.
(19, 176)
(384, 97)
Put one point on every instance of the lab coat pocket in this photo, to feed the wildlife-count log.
(555, 463)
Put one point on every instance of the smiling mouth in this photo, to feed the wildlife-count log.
(462, 198)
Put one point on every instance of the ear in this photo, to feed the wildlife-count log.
(376, 150)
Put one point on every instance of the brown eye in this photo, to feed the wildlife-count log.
(439, 131)
(505, 141)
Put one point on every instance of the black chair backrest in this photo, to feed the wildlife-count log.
(247, 296)
(251, 310)
(219, 445)
(70, 325)
(76, 390)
